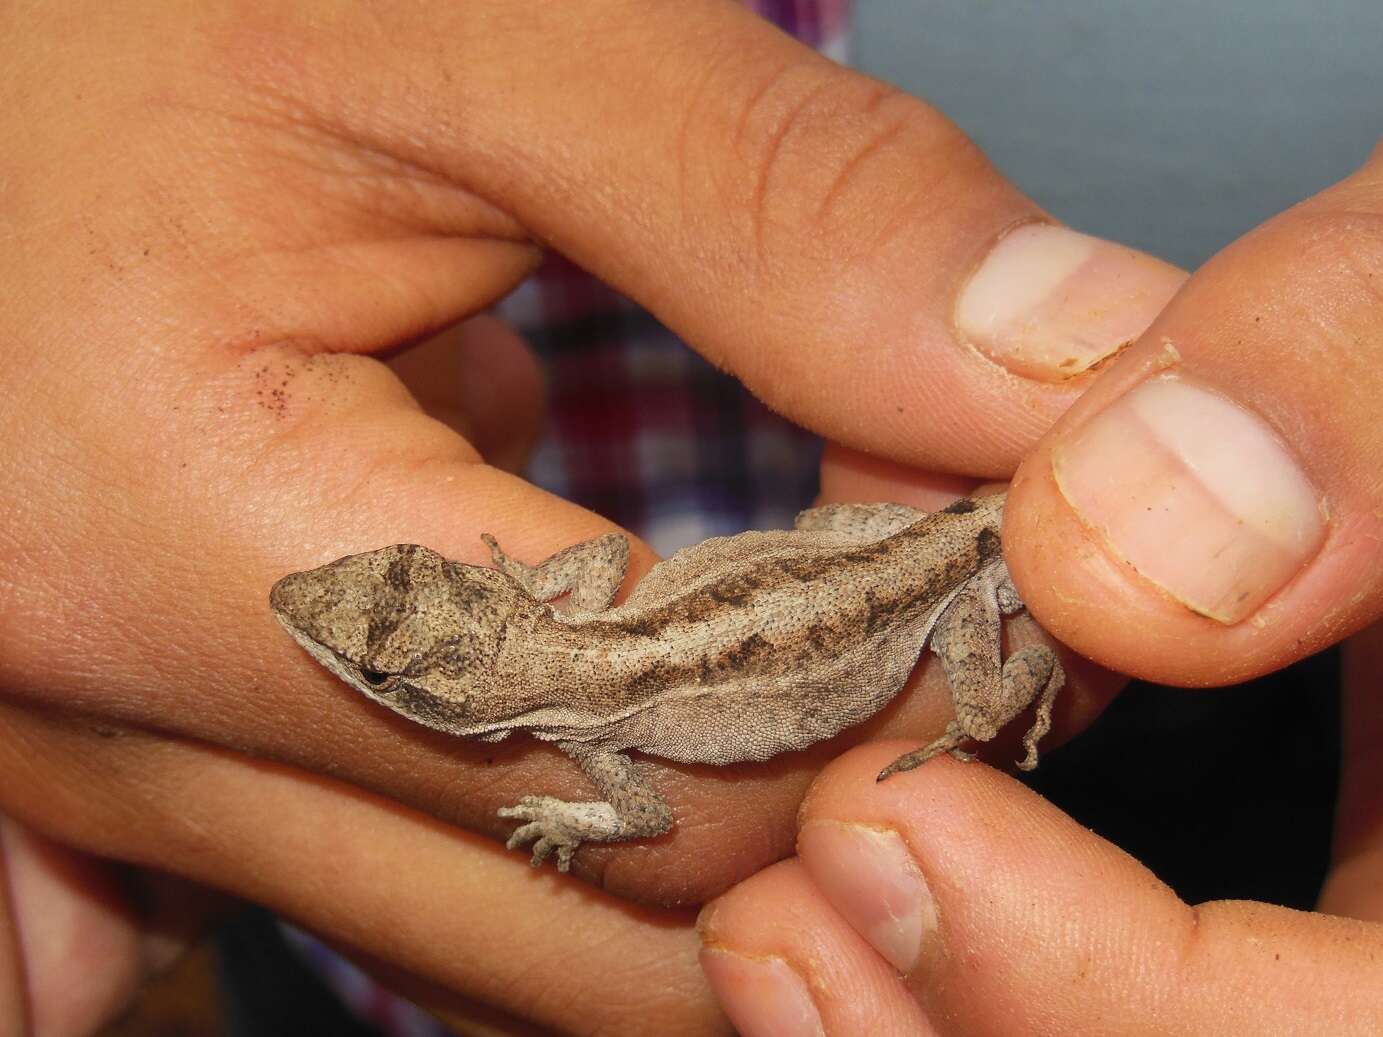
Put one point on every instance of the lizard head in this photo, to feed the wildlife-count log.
(405, 627)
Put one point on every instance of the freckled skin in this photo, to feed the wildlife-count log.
(736, 649)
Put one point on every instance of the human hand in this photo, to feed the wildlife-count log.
(215, 219)
(1003, 916)
(1207, 512)
(1217, 545)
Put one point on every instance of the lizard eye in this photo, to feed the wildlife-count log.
(374, 678)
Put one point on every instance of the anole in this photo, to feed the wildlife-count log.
(736, 649)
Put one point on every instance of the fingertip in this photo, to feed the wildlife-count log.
(782, 961)
(938, 801)
(1209, 510)
(1071, 584)
(1026, 922)
(1049, 303)
(868, 874)
(483, 380)
(978, 890)
(761, 995)
(1156, 591)
(68, 917)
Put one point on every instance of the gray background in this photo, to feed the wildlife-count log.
(1174, 127)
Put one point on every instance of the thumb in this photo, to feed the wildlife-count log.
(1005, 916)
(804, 226)
(1212, 508)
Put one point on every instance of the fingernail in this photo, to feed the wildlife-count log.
(763, 997)
(869, 876)
(1197, 494)
(1049, 303)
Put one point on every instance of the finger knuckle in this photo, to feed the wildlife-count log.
(1331, 258)
(835, 162)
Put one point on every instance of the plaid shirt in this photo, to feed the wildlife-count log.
(640, 428)
(643, 431)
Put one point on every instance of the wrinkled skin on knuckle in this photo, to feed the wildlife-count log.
(842, 185)
(1300, 293)
(1314, 277)
(1349, 243)
(835, 161)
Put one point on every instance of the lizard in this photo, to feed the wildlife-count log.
(735, 649)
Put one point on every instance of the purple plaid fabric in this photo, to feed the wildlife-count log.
(643, 431)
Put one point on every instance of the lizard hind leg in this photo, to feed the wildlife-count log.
(987, 695)
(630, 810)
(1030, 673)
(1039, 666)
(950, 742)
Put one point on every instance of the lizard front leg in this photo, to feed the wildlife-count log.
(591, 570)
(630, 810)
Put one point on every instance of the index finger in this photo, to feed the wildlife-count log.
(843, 248)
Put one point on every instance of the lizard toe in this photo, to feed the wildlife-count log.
(523, 835)
(529, 808)
(542, 849)
(908, 761)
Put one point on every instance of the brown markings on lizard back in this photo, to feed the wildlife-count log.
(987, 543)
(398, 576)
(756, 654)
(708, 602)
(735, 588)
(882, 611)
(743, 658)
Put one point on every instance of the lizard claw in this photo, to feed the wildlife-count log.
(542, 846)
(949, 742)
(545, 830)
(910, 761)
(541, 850)
(907, 762)
(496, 555)
(524, 808)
